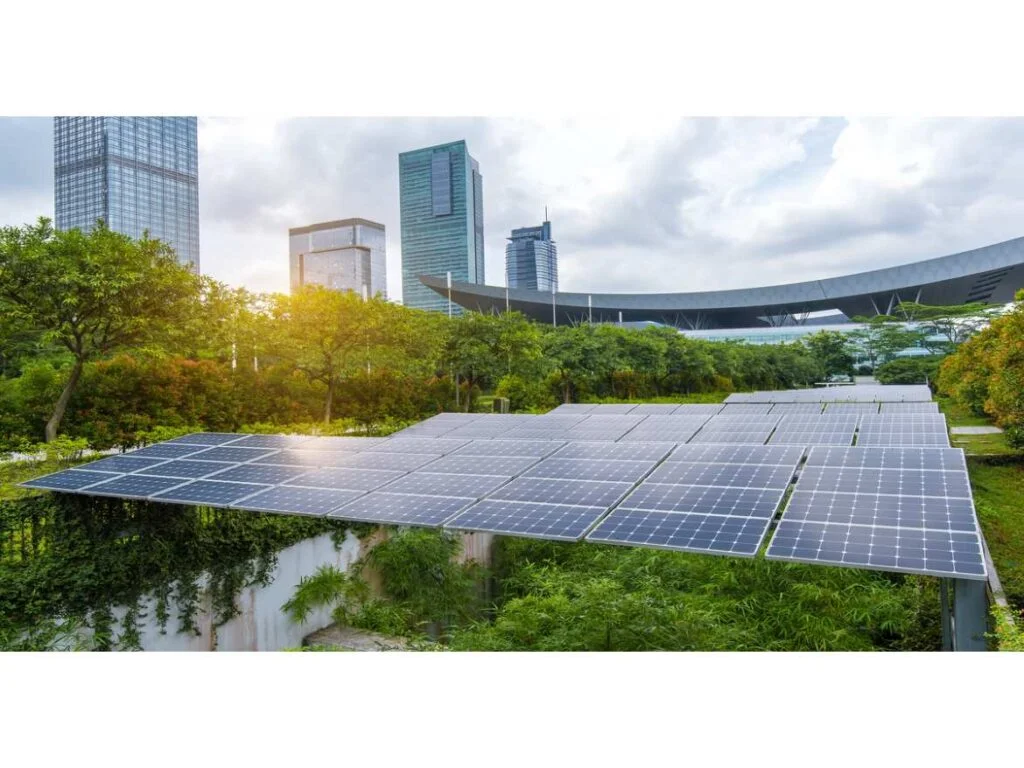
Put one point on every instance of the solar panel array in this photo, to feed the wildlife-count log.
(684, 478)
(865, 393)
(895, 509)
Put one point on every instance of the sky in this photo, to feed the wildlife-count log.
(636, 205)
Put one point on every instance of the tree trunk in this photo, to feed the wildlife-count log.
(62, 402)
(330, 401)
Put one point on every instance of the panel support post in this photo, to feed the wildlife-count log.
(970, 615)
(947, 617)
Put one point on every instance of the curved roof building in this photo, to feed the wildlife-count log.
(990, 274)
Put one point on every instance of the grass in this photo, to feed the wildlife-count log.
(999, 498)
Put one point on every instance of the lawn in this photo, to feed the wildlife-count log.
(999, 498)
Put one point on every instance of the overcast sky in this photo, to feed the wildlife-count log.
(635, 204)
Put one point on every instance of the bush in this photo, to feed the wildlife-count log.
(525, 394)
(909, 370)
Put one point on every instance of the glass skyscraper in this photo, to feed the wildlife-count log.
(531, 259)
(347, 255)
(441, 194)
(135, 173)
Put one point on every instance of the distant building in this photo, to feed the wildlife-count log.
(346, 255)
(135, 173)
(531, 259)
(442, 205)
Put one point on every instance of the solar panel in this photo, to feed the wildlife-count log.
(231, 453)
(897, 482)
(698, 409)
(68, 480)
(574, 408)
(272, 441)
(134, 486)
(801, 429)
(412, 445)
(481, 465)
(560, 522)
(781, 409)
(187, 469)
(205, 438)
(955, 514)
(628, 451)
(299, 501)
(439, 484)
(736, 475)
(666, 428)
(555, 420)
(400, 509)
(303, 458)
(756, 435)
(708, 534)
(530, 433)
(536, 448)
(662, 409)
(737, 454)
(394, 461)
(591, 469)
(121, 464)
(705, 499)
(613, 408)
(345, 478)
(903, 429)
(914, 550)
(888, 458)
(259, 473)
(581, 493)
(166, 451)
(839, 408)
(209, 493)
(732, 409)
(346, 444)
(913, 407)
(608, 436)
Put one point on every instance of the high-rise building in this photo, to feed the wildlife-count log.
(531, 259)
(135, 173)
(442, 203)
(347, 255)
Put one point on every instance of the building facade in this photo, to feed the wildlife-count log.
(442, 217)
(137, 174)
(346, 255)
(531, 259)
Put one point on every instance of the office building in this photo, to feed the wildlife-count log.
(441, 195)
(137, 174)
(346, 255)
(531, 259)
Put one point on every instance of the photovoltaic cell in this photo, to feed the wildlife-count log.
(186, 468)
(166, 451)
(955, 514)
(392, 461)
(737, 454)
(581, 493)
(782, 409)
(841, 408)
(209, 492)
(412, 445)
(717, 500)
(894, 482)
(481, 465)
(535, 448)
(887, 458)
(452, 486)
(302, 458)
(271, 441)
(231, 453)
(259, 473)
(735, 475)
(698, 409)
(346, 478)
(897, 408)
(121, 464)
(915, 550)
(755, 435)
(620, 451)
(401, 509)
(346, 444)
(68, 480)
(591, 469)
(560, 522)
(707, 534)
(733, 409)
(300, 501)
(134, 486)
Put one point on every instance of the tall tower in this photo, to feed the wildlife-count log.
(134, 173)
(441, 195)
(531, 259)
(347, 255)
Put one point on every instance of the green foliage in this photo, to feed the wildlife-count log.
(832, 350)
(998, 488)
(1008, 632)
(909, 370)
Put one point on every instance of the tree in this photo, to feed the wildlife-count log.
(832, 350)
(886, 336)
(956, 323)
(93, 293)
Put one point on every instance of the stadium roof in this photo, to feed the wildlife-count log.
(989, 274)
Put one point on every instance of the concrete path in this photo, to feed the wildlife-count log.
(975, 430)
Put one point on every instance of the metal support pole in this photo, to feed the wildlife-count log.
(947, 623)
(449, 295)
(970, 615)
(506, 296)
(620, 317)
(554, 313)
(590, 310)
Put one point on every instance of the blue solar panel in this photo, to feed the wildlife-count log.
(640, 451)
(888, 458)
(348, 444)
(209, 493)
(300, 501)
(698, 409)
(68, 480)
(205, 438)
(581, 493)
(707, 534)
(738, 454)
(393, 461)
(912, 550)
(417, 445)
(166, 451)
(271, 441)
(481, 465)
(591, 469)
(259, 473)
(654, 408)
(452, 486)
(954, 514)
(560, 522)
(121, 464)
(346, 477)
(736, 475)
(535, 448)
(705, 499)
(401, 509)
(231, 453)
(898, 482)
(134, 486)
(187, 468)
